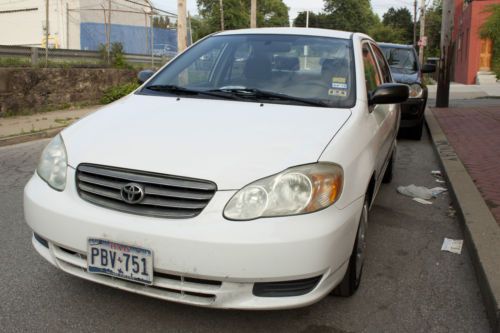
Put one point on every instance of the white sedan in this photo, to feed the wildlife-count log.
(240, 175)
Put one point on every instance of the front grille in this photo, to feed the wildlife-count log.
(164, 195)
(285, 288)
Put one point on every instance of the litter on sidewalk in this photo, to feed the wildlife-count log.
(452, 245)
(421, 192)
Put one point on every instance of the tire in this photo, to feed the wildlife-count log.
(389, 171)
(415, 133)
(352, 277)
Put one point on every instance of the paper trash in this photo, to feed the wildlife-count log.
(452, 245)
(420, 191)
(422, 201)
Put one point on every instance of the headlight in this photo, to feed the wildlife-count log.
(53, 164)
(298, 190)
(416, 90)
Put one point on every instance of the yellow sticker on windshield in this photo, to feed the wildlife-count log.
(339, 80)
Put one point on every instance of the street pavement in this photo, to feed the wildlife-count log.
(408, 284)
(473, 129)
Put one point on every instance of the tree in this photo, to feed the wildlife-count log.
(433, 16)
(270, 13)
(387, 34)
(315, 20)
(491, 29)
(349, 15)
(400, 19)
(161, 22)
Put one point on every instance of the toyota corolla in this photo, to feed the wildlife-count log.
(240, 175)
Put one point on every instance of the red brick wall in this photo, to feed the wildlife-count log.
(467, 22)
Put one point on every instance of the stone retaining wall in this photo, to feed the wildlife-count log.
(29, 90)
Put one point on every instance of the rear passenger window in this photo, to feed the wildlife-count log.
(384, 68)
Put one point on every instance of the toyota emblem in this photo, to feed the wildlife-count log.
(132, 193)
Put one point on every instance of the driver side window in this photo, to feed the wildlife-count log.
(372, 76)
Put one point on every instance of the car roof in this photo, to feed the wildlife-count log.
(397, 46)
(290, 31)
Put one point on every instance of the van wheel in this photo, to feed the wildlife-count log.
(389, 171)
(352, 277)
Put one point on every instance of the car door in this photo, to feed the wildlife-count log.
(383, 115)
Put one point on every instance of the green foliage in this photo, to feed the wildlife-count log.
(433, 17)
(349, 15)
(387, 34)
(491, 29)
(117, 92)
(14, 62)
(270, 13)
(116, 55)
(401, 20)
(162, 22)
(315, 20)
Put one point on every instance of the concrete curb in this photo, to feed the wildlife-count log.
(481, 231)
(47, 133)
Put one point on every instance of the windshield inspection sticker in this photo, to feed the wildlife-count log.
(337, 92)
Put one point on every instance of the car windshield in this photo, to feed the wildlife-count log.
(400, 59)
(274, 68)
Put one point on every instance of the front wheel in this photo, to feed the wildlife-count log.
(415, 133)
(352, 277)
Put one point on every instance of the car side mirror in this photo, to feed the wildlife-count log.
(428, 68)
(144, 75)
(389, 93)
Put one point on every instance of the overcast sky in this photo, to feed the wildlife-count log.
(379, 6)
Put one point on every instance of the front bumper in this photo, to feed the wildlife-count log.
(187, 252)
(412, 112)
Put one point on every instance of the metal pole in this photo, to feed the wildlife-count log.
(46, 33)
(422, 31)
(443, 88)
(307, 19)
(67, 26)
(415, 23)
(109, 31)
(253, 14)
(152, 38)
(190, 29)
(221, 7)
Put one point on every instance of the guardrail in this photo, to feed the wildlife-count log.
(36, 54)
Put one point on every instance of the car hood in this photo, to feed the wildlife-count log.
(228, 142)
(407, 78)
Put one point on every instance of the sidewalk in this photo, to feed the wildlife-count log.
(24, 128)
(463, 91)
(467, 140)
(474, 133)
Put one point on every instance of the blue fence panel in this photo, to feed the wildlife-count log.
(135, 39)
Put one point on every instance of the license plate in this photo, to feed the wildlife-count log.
(120, 260)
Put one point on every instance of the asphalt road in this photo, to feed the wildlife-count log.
(408, 284)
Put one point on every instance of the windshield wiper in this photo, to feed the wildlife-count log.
(264, 94)
(178, 90)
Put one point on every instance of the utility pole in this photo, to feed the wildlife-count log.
(46, 33)
(415, 23)
(221, 8)
(181, 25)
(422, 32)
(307, 19)
(109, 31)
(253, 14)
(443, 88)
